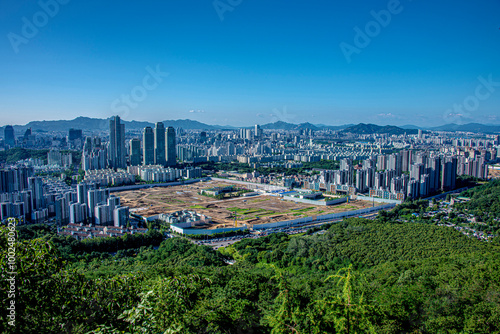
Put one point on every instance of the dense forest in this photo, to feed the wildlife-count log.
(15, 154)
(357, 276)
(379, 276)
(485, 201)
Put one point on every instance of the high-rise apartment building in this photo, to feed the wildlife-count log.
(448, 173)
(406, 157)
(54, 157)
(35, 184)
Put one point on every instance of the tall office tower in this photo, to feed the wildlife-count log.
(116, 152)
(36, 186)
(258, 131)
(135, 152)
(10, 138)
(171, 152)
(148, 146)
(160, 149)
(419, 133)
(74, 134)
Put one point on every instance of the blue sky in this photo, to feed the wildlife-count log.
(242, 62)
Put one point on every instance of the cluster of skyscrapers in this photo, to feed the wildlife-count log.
(158, 147)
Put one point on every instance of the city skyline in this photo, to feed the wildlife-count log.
(35, 125)
(236, 166)
(384, 62)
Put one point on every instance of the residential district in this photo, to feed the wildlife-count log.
(77, 185)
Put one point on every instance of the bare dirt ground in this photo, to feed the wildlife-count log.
(494, 173)
(249, 210)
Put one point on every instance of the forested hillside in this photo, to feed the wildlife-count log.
(15, 154)
(358, 276)
(485, 201)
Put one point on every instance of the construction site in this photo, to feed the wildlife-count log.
(249, 210)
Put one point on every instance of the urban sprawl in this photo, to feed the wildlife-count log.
(77, 186)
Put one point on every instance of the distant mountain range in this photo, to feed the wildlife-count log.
(97, 124)
(303, 126)
(413, 129)
(470, 127)
(368, 129)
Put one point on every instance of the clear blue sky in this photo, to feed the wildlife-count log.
(265, 61)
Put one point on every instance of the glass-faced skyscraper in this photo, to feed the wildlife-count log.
(135, 152)
(9, 136)
(171, 152)
(160, 150)
(148, 146)
(116, 152)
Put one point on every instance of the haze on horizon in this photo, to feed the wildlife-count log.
(252, 62)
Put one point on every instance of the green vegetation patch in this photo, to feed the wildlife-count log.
(356, 276)
(198, 207)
